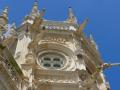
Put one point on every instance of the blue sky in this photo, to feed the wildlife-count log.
(104, 24)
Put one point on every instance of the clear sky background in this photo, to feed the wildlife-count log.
(104, 24)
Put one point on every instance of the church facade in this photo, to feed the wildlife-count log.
(43, 54)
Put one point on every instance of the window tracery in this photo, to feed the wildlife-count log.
(52, 61)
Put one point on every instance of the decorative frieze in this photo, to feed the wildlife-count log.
(55, 39)
(53, 27)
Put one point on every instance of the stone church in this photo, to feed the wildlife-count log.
(43, 54)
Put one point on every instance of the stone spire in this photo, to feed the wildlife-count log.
(71, 17)
(35, 13)
(35, 10)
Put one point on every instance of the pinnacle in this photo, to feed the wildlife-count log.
(35, 5)
(71, 17)
(5, 10)
(35, 10)
(5, 13)
(36, 2)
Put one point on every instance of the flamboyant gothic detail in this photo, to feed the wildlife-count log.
(48, 55)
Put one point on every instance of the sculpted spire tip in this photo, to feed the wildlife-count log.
(35, 10)
(71, 16)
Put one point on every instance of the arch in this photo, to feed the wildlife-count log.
(55, 46)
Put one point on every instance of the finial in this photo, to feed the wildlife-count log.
(35, 11)
(71, 17)
(5, 13)
(36, 3)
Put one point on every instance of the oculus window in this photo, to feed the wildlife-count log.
(51, 60)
